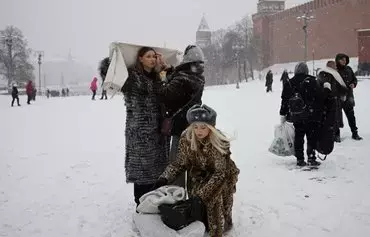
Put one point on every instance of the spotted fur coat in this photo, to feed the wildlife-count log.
(147, 151)
(212, 177)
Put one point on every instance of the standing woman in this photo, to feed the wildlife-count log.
(147, 150)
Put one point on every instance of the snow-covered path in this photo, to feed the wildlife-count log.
(62, 170)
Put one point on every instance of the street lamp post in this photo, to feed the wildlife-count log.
(237, 49)
(306, 18)
(40, 54)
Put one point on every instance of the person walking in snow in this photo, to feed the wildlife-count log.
(269, 81)
(338, 90)
(204, 152)
(147, 150)
(103, 68)
(15, 94)
(284, 77)
(348, 105)
(29, 91)
(183, 89)
(301, 103)
(94, 87)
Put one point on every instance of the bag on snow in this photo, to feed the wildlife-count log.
(283, 144)
(151, 225)
(181, 214)
(169, 194)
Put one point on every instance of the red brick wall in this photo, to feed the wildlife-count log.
(364, 46)
(334, 30)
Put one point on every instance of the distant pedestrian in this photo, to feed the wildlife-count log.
(94, 87)
(15, 94)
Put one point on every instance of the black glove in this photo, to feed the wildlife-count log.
(198, 209)
(159, 183)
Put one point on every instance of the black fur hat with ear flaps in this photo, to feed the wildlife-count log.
(201, 113)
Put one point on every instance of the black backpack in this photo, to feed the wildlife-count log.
(301, 103)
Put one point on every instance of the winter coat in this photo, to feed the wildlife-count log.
(184, 83)
(14, 91)
(211, 177)
(338, 90)
(269, 79)
(29, 88)
(147, 151)
(94, 85)
(288, 90)
(347, 74)
(284, 77)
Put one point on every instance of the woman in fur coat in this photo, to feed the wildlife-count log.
(147, 150)
(204, 152)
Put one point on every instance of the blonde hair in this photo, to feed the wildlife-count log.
(215, 137)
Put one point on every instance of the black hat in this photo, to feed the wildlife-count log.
(201, 113)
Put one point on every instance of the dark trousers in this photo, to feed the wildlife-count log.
(350, 114)
(104, 95)
(29, 98)
(140, 190)
(15, 97)
(308, 129)
(269, 88)
(94, 94)
(181, 179)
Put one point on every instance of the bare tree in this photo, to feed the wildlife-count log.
(245, 30)
(14, 55)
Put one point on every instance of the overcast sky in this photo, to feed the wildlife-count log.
(88, 26)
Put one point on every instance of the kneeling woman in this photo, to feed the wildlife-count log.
(204, 152)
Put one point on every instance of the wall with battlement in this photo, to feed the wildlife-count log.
(334, 29)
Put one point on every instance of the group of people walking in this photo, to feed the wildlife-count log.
(30, 91)
(306, 100)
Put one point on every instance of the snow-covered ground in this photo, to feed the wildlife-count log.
(62, 170)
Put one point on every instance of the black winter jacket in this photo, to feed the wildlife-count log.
(295, 82)
(347, 73)
(183, 84)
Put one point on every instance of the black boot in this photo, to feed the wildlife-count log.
(356, 137)
(301, 163)
(312, 160)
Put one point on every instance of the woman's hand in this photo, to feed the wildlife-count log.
(161, 62)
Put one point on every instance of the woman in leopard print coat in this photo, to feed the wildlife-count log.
(204, 152)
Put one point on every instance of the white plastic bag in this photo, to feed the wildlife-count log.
(283, 144)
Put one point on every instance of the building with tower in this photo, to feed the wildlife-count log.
(337, 26)
(204, 34)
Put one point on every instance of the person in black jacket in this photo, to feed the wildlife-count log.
(103, 69)
(284, 77)
(183, 89)
(350, 79)
(338, 90)
(15, 95)
(269, 81)
(308, 126)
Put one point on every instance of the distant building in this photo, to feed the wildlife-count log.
(338, 26)
(204, 34)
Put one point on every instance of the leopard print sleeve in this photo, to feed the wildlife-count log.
(180, 164)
